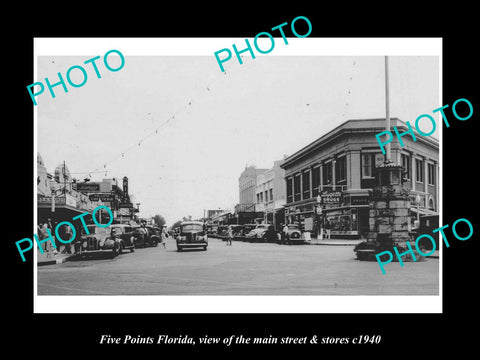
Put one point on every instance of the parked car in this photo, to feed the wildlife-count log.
(238, 232)
(294, 235)
(97, 240)
(222, 232)
(192, 235)
(246, 229)
(153, 235)
(140, 233)
(126, 234)
(262, 233)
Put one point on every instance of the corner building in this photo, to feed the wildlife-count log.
(332, 177)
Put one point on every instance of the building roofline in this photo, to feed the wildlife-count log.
(346, 127)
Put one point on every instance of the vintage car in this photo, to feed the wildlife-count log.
(126, 234)
(154, 236)
(262, 233)
(246, 229)
(141, 235)
(294, 235)
(192, 235)
(222, 232)
(95, 240)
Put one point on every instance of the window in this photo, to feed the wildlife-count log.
(431, 174)
(406, 165)
(261, 197)
(271, 194)
(341, 170)
(266, 195)
(306, 184)
(289, 190)
(296, 188)
(327, 174)
(258, 198)
(315, 180)
(367, 165)
(419, 169)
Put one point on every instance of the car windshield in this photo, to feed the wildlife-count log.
(262, 226)
(192, 227)
(293, 226)
(92, 229)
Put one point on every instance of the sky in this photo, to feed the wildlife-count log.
(182, 131)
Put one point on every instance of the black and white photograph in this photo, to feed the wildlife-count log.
(221, 180)
(266, 178)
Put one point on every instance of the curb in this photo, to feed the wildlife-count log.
(53, 261)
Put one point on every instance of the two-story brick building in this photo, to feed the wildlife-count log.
(333, 175)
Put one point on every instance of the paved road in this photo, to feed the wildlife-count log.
(240, 269)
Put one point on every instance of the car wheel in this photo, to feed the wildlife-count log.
(204, 248)
(155, 243)
(179, 249)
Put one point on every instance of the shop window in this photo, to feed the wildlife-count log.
(431, 174)
(327, 174)
(419, 170)
(367, 165)
(297, 195)
(341, 170)
(315, 180)
(306, 184)
(406, 166)
(289, 190)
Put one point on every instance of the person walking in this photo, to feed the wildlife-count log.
(328, 226)
(284, 233)
(229, 235)
(164, 236)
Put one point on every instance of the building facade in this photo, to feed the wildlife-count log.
(332, 177)
(270, 195)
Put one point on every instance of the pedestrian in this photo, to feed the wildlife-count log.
(164, 236)
(229, 235)
(284, 233)
(68, 236)
(328, 225)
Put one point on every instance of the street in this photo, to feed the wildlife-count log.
(240, 269)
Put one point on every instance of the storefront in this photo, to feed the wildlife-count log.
(347, 212)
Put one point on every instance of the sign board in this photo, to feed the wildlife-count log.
(125, 205)
(125, 185)
(331, 197)
(88, 187)
(102, 197)
(308, 225)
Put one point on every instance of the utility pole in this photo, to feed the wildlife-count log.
(387, 111)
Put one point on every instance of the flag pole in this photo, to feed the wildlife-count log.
(387, 111)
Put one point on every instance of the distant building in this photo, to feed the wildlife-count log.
(270, 194)
(332, 176)
(245, 209)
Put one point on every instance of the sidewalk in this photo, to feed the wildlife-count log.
(344, 242)
(46, 259)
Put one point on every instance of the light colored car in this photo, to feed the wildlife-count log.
(294, 235)
(262, 233)
(192, 235)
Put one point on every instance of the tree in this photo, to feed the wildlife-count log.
(159, 220)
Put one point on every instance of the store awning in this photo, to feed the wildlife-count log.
(423, 211)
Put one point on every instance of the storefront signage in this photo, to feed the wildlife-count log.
(359, 200)
(87, 187)
(101, 197)
(60, 200)
(331, 197)
(125, 205)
